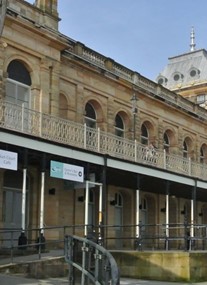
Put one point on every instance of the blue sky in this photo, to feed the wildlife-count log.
(140, 34)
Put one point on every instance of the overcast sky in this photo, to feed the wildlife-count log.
(140, 34)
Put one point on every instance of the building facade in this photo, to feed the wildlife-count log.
(142, 147)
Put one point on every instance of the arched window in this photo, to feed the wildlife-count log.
(90, 116)
(119, 126)
(144, 135)
(118, 200)
(18, 84)
(185, 149)
(202, 158)
(143, 205)
(166, 142)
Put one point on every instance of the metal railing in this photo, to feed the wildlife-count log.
(90, 263)
(27, 121)
(151, 236)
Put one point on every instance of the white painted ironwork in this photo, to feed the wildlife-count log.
(74, 134)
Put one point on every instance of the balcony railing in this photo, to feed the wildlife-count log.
(23, 120)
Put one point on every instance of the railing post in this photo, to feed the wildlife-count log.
(164, 159)
(99, 139)
(69, 253)
(135, 150)
(189, 166)
(85, 134)
(22, 117)
(40, 124)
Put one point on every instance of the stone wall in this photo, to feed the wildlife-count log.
(163, 266)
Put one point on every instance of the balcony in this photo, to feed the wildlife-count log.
(22, 120)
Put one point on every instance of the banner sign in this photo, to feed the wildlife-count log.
(66, 171)
(8, 159)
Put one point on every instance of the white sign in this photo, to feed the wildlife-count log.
(8, 159)
(66, 171)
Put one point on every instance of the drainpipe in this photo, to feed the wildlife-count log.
(86, 209)
(167, 214)
(193, 203)
(42, 193)
(22, 240)
(137, 215)
(100, 215)
(24, 187)
(104, 197)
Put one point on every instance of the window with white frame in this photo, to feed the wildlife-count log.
(185, 149)
(119, 126)
(166, 142)
(90, 116)
(18, 84)
(144, 135)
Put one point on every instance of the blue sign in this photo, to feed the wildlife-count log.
(66, 171)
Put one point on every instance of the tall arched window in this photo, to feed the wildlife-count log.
(166, 142)
(18, 84)
(185, 149)
(202, 158)
(90, 116)
(119, 126)
(118, 200)
(144, 135)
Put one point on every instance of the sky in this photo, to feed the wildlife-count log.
(139, 34)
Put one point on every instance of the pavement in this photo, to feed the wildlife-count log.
(18, 279)
(6, 279)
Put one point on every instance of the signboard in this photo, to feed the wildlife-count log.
(8, 160)
(70, 185)
(66, 171)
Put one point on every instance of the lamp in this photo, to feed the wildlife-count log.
(200, 214)
(81, 198)
(183, 212)
(51, 191)
(163, 210)
(113, 202)
(134, 100)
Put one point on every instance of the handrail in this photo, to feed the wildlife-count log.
(51, 128)
(92, 260)
(161, 236)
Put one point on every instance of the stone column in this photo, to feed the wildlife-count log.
(54, 88)
(44, 87)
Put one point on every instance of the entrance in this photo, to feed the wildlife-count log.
(88, 209)
(118, 220)
(12, 206)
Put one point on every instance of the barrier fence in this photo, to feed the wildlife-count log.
(183, 236)
(90, 263)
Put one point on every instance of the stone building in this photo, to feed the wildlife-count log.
(142, 147)
(185, 74)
